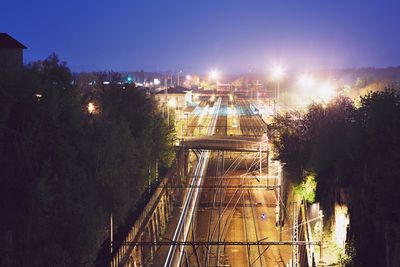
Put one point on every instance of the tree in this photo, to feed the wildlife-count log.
(63, 170)
(357, 149)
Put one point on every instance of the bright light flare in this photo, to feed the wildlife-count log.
(312, 90)
(188, 78)
(306, 80)
(326, 92)
(341, 223)
(91, 108)
(278, 72)
(214, 75)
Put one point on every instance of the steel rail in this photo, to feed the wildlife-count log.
(255, 227)
(191, 198)
(269, 187)
(222, 243)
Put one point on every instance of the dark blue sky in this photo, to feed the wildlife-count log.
(197, 35)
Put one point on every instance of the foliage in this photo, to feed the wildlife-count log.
(306, 189)
(356, 148)
(63, 170)
(346, 256)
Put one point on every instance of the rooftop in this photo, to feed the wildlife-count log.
(174, 90)
(6, 41)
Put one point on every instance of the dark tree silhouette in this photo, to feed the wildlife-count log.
(357, 149)
(63, 170)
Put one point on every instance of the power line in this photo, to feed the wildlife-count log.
(222, 243)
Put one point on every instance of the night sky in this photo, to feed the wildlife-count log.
(232, 36)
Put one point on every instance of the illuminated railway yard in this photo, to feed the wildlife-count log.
(228, 197)
(200, 134)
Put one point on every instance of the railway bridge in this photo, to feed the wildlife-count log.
(225, 143)
(224, 211)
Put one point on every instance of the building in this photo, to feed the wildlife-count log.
(177, 98)
(11, 53)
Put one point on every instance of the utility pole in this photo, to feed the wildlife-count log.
(277, 96)
(111, 233)
(321, 253)
(261, 161)
(295, 237)
(280, 200)
(156, 170)
(278, 213)
(149, 179)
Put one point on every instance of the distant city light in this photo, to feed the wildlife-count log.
(278, 72)
(188, 77)
(91, 108)
(306, 80)
(129, 79)
(326, 91)
(214, 75)
(311, 90)
(156, 81)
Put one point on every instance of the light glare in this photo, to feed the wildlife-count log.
(214, 75)
(278, 72)
(91, 108)
(306, 80)
(326, 91)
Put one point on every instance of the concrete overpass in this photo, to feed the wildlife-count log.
(225, 143)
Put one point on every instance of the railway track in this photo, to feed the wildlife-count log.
(224, 203)
(223, 206)
(175, 254)
(250, 123)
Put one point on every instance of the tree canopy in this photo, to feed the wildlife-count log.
(63, 169)
(357, 149)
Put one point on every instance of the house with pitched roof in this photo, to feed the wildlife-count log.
(177, 97)
(11, 53)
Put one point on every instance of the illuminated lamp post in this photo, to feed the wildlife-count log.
(214, 76)
(277, 73)
(91, 108)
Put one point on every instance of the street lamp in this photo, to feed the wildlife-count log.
(277, 73)
(306, 80)
(91, 108)
(188, 81)
(214, 76)
(306, 84)
(326, 91)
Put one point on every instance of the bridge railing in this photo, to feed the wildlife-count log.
(224, 144)
(122, 254)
